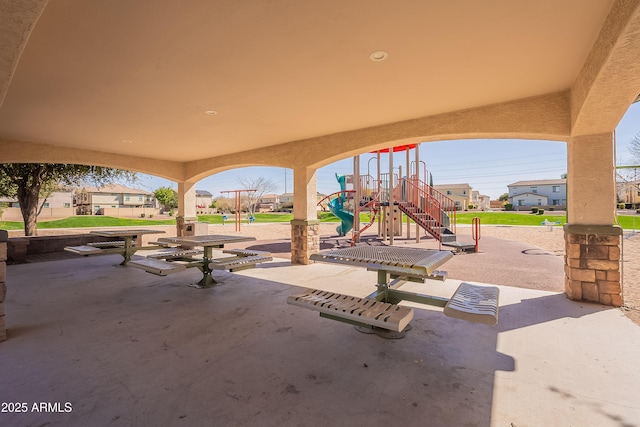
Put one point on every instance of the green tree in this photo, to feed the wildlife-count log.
(167, 197)
(504, 197)
(29, 182)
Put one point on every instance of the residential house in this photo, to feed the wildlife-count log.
(459, 193)
(542, 193)
(58, 204)
(286, 199)
(268, 203)
(204, 199)
(480, 201)
(116, 200)
(628, 193)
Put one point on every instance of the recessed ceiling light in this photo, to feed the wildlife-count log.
(211, 112)
(378, 55)
(127, 141)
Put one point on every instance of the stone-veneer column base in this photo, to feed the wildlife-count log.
(305, 240)
(3, 278)
(592, 263)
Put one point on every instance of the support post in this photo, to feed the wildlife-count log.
(357, 197)
(305, 226)
(186, 206)
(390, 219)
(593, 242)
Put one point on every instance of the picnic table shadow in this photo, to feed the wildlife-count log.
(252, 355)
(442, 371)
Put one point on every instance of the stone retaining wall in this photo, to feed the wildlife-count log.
(3, 281)
(19, 248)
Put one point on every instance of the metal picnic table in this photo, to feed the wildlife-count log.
(207, 243)
(129, 245)
(395, 266)
(379, 312)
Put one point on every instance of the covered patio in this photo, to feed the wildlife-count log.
(119, 344)
(129, 348)
(187, 91)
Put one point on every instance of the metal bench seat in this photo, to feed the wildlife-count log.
(238, 263)
(354, 310)
(474, 303)
(158, 267)
(112, 244)
(246, 252)
(83, 250)
(175, 253)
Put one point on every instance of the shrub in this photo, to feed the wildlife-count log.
(540, 211)
(141, 215)
(534, 210)
(150, 215)
(620, 205)
(552, 208)
(508, 207)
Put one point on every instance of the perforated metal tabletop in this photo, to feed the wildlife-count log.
(411, 260)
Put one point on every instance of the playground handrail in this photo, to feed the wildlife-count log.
(440, 208)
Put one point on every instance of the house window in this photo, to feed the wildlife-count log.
(140, 198)
(464, 192)
(534, 189)
(448, 192)
(67, 205)
(521, 202)
(556, 202)
(127, 198)
(539, 202)
(45, 205)
(555, 188)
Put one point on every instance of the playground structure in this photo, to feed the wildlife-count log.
(237, 194)
(389, 195)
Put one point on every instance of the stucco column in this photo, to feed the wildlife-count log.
(186, 205)
(592, 240)
(305, 227)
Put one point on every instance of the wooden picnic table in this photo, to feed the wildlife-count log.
(207, 243)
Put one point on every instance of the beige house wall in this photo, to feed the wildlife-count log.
(14, 214)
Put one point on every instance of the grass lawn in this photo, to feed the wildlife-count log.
(486, 218)
(508, 218)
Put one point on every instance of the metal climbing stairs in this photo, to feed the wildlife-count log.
(431, 210)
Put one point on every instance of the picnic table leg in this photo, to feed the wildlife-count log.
(382, 286)
(128, 251)
(207, 280)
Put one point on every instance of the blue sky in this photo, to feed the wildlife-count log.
(488, 165)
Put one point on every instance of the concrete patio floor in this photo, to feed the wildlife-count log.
(124, 347)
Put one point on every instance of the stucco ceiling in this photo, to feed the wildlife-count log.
(137, 77)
